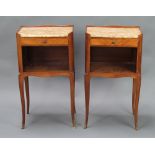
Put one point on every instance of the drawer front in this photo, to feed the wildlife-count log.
(44, 41)
(116, 42)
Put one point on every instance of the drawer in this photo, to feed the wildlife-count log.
(44, 41)
(114, 42)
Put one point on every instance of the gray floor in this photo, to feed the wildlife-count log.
(110, 103)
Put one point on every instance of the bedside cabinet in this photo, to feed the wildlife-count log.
(45, 51)
(113, 52)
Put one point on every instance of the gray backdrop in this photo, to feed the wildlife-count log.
(110, 103)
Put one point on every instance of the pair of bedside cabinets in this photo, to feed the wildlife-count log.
(110, 52)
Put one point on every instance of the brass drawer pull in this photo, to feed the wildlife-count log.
(44, 41)
(113, 42)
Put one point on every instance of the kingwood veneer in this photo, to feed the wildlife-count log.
(45, 51)
(113, 52)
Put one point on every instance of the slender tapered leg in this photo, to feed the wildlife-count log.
(136, 100)
(27, 93)
(87, 96)
(133, 95)
(72, 94)
(21, 88)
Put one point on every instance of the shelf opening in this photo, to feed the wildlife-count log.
(45, 58)
(113, 59)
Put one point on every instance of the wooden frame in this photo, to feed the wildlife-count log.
(131, 43)
(24, 74)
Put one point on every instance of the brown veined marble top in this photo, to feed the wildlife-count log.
(114, 32)
(47, 31)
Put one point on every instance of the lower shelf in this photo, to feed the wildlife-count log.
(105, 67)
(46, 66)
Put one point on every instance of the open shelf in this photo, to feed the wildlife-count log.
(112, 67)
(113, 59)
(45, 58)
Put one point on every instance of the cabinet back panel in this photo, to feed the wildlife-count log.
(44, 54)
(113, 54)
